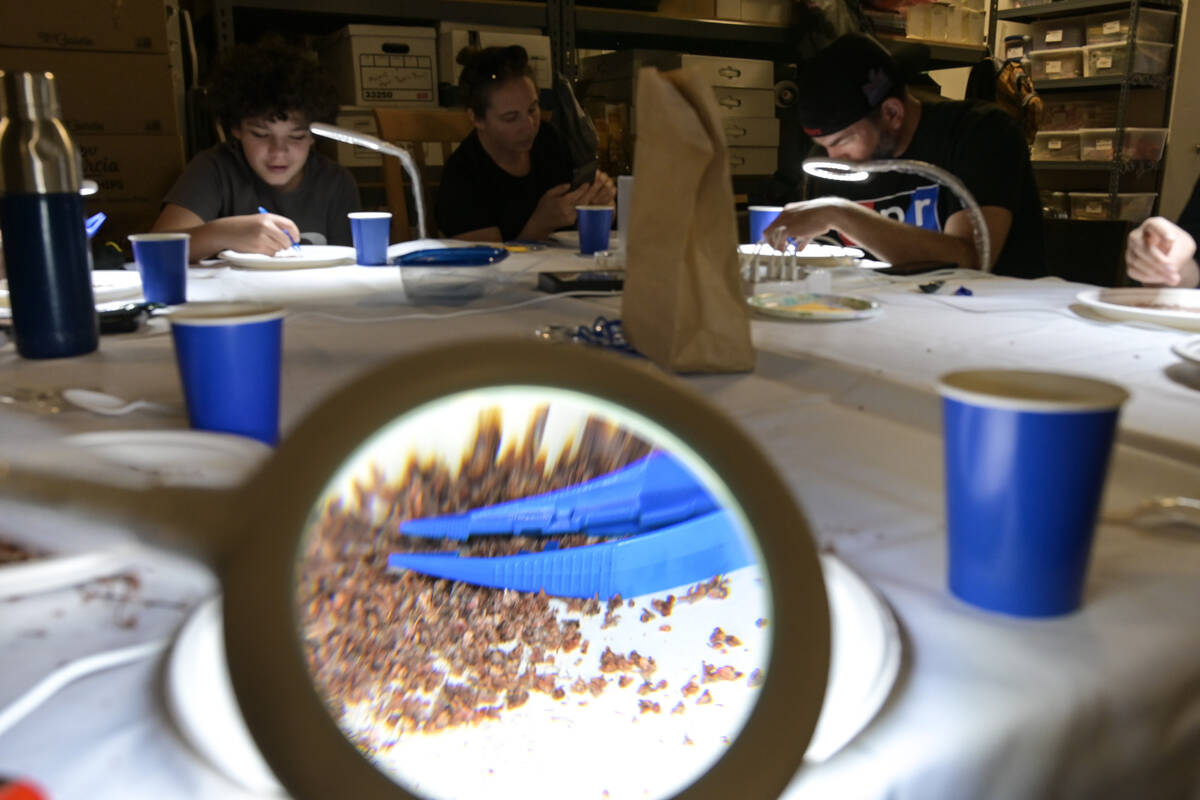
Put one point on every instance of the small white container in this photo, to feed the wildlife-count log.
(1056, 146)
(1056, 64)
(1149, 58)
(1138, 144)
(1130, 206)
(1113, 26)
(1055, 33)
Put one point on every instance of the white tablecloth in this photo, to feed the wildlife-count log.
(1105, 702)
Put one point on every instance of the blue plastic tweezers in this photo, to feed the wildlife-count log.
(677, 534)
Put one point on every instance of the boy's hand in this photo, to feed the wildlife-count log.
(259, 233)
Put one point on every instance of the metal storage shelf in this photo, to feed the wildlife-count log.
(1067, 8)
(592, 27)
(1138, 80)
(1120, 166)
(1122, 84)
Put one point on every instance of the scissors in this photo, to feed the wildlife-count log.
(675, 533)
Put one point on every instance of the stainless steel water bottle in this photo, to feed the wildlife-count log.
(46, 255)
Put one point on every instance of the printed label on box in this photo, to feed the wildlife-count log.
(1103, 62)
(1053, 67)
(1014, 52)
(1104, 144)
(1054, 36)
(1113, 26)
(388, 77)
(1054, 144)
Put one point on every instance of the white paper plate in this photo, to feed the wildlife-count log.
(177, 458)
(813, 307)
(310, 256)
(71, 554)
(1138, 305)
(200, 699)
(776, 265)
(1188, 350)
(865, 659)
(107, 285)
(56, 571)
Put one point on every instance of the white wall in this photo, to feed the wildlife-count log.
(1182, 165)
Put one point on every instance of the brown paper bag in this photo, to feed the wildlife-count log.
(683, 304)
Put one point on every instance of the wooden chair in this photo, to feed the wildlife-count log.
(413, 128)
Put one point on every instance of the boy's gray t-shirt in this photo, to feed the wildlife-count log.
(219, 182)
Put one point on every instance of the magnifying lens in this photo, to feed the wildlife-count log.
(516, 569)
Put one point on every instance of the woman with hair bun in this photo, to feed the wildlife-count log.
(510, 179)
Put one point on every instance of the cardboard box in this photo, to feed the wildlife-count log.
(688, 9)
(739, 73)
(753, 160)
(109, 93)
(361, 119)
(453, 38)
(123, 217)
(773, 12)
(751, 131)
(383, 65)
(118, 25)
(130, 169)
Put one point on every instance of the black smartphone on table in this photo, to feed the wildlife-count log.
(609, 280)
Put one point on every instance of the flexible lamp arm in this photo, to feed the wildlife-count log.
(380, 146)
(832, 169)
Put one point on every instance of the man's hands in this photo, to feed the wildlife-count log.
(1159, 252)
(801, 222)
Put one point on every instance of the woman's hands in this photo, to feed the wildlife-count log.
(1158, 252)
(556, 209)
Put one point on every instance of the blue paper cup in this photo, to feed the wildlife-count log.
(162, 260)
(760, 218)
(595, 224)
(229, 357)
(1026, 454)
(370, 230)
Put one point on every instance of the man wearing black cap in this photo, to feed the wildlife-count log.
(853, 102)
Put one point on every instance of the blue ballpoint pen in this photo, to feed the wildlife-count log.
(295, 244)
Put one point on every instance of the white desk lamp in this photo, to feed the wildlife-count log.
(832, 169)
(380, 146)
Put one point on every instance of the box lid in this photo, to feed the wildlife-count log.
(379, 30)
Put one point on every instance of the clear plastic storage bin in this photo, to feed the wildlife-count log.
(1131, 206)
(1139, 144)
(1058, 33)
(1055, 205)
(1064, 62)
(1153, 26)
(1056, 146)
(1071, 115)
(1109, 59)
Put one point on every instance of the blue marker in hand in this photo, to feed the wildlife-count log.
(295, 244)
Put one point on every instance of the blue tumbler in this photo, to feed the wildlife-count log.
(47, 261)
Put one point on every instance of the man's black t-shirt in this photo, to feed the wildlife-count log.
(983, 147)
(476, 193)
